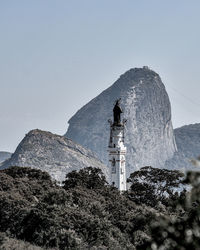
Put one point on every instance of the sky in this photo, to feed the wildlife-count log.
(56, 55)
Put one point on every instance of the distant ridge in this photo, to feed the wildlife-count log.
(188, 144)
(4, 156)
(52, 153)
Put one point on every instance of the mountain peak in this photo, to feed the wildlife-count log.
(137, 72)
(149, 134)
(53, 153)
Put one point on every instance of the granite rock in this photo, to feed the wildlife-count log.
(52, 153)
(4, 156)
(149, 135)
(188, 144)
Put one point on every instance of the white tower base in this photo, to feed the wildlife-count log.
(117, 152)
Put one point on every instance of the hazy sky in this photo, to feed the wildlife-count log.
(56, 55)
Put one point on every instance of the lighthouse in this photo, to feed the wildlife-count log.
(117, 150)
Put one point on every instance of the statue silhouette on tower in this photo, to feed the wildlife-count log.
(117, 113)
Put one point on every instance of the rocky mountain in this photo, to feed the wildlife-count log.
(149, 133)
(188, 145)
(52, 153)
(188, 140)
(4, 156)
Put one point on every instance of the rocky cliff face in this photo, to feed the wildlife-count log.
(4, 156)
(149, 134)
(52, 153)
(188, 140)
(188, 145)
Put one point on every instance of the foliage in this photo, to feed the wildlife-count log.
(87, 213)
(182, 230)
(10, 243)
(91, 178)
(153, 185)
(84, 213)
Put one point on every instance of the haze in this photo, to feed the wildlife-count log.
(55, 56)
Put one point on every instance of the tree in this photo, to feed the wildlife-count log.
(152, 185)
(91, 178)
(181, 230)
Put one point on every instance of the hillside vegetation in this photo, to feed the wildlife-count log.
(87, 213)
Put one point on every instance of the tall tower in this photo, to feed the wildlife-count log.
(117, 150)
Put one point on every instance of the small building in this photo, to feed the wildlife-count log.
(117, 150)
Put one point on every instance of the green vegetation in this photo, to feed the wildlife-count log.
(87, 213)
(152, 186)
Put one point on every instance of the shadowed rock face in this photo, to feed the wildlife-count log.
(188, 140)
(149, 134)
(4, 156)
(188, 144)
(52, 153)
